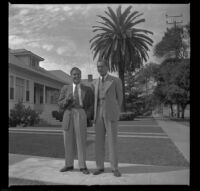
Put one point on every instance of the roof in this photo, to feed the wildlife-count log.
(25, 52)
(61, 75)
(41, 71)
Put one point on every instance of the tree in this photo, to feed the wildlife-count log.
(175, 43)
(138, 89)
(172, 44)
(181, 79)
(174, 83)
(147, 74)
(122, 45)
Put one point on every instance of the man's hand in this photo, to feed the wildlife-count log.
(93, 123)
(70, 98)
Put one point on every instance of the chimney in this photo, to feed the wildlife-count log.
(90, 78)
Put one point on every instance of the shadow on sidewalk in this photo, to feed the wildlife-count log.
(140, 169)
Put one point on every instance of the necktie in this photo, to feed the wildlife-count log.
(76, 97)
(103, 79)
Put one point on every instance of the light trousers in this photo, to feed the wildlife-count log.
(75, 138)
(102, 127)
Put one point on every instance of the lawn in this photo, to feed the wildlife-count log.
(152, 151)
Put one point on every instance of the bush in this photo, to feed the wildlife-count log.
(58, 115)
(129, 116)
(20, 115)
(54, 114)
(147, 113)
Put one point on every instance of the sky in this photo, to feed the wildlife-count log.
(60, 33)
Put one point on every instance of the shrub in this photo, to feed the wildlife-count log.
(20, 115)
(129, 116)
(58, 115)
(147, 113)
(54, 114)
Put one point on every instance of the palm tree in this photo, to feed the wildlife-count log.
(122, 45)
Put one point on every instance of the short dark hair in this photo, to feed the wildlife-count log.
(75, 68)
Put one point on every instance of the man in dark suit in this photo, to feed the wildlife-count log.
(77, 102)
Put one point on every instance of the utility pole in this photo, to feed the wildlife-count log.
(174, 22)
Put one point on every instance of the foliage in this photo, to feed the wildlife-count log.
(137, 98)
(119, 42)
(174, 82)
(58, 115)
(127, 116)
(172, 42)
(20, 115)
(149, 71)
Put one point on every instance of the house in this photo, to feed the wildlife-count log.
(32, 84)
(61, 75)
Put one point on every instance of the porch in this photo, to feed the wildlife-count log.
(45, 98)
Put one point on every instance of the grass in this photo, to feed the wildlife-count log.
(149, 151)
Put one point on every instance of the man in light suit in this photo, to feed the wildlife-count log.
(77, 102)
(108, 100)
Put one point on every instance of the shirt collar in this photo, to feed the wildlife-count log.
(75, 85)
(104, 76)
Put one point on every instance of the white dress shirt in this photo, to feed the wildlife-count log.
(104, 77)
(79, 93)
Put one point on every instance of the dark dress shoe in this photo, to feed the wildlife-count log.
(84, 171)
(64, 169)
(116, 173)
(99, 171)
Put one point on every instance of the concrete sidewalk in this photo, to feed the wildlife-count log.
(178, 133)
(45, 169)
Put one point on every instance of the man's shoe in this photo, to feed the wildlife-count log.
(84, 171)
(116, 173)
(99, 171)
(65, 168)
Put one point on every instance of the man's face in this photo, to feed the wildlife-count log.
(102, 68)
(76, 76)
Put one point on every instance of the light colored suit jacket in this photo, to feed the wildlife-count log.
(113, 97)
(65, 102)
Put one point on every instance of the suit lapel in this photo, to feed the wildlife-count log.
(108, 82)
(96, 87)
(82, 92)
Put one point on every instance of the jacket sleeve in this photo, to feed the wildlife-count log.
(63, 99)
(90, 109)
(119, 93)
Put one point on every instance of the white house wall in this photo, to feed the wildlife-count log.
(33, 78)
(36, 78)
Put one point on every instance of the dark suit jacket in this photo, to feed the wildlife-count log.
(66, 96)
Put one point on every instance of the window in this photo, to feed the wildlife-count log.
(19, 92)
(34, 63)
(41, 99)
(27, 91)
(11, 88)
